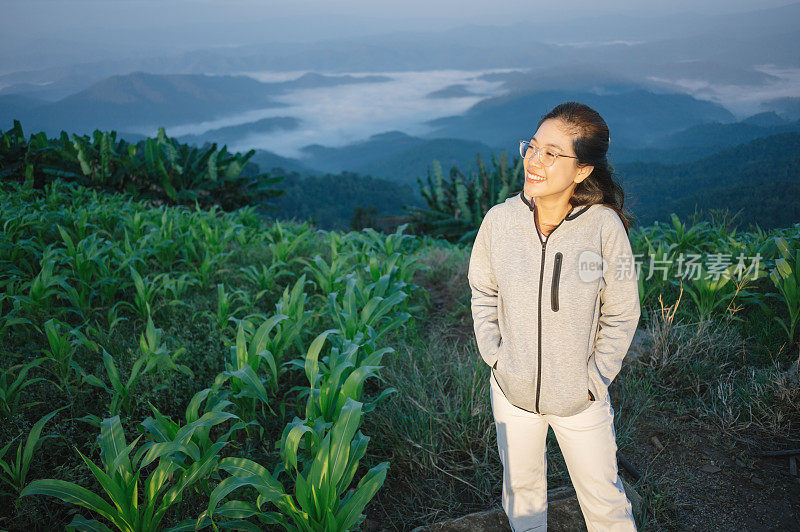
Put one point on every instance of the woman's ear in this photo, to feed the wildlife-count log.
(583, 173)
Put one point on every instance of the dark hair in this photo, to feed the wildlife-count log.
(591, 147)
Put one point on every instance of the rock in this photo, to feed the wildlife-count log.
(634, 497)
(711, 468)
(563, 515)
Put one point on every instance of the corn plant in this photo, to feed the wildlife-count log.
(192, 440)
(374, 317)
(161, 429)
(122, 393)
(328, 277)
(175, 289)
(157, 355)
(385, 245)
(214, 237)
(12, 382)
(338, 376)
(80, 300)
(684, 236)
(45, 285)
(249, 391)
(786, 278)
(85, 254)
(60, 353)
(711, 294)
(282, 244)
(14, 473)
(130, 510)
(321, 499)
(206, 268)
(145, 297)
(264, 278)
(293, 305)
(102, 333)
(225, 303)
(10, 319)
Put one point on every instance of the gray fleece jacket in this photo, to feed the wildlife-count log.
(553, 319)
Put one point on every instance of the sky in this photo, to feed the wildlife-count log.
(193, 23)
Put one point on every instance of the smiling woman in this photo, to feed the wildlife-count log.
(561, 336)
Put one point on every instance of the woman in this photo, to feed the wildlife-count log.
(555, 304)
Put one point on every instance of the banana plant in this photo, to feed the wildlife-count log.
(14, 473)
(128, 509)
(321, 499)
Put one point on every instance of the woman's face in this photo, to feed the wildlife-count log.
(559, 180)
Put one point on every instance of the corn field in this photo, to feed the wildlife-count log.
(168, 368)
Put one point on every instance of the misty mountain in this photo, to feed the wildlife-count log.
(271, 163)
(697, 142)
(233, 134)
(635, 117)
(141, 101)
(458, 90)
(395, 156)
(760, 177)
(788, 107)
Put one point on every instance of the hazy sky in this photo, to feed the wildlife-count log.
(191, 23)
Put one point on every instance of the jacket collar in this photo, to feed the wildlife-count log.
(571, 215)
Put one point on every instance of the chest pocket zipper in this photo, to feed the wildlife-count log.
(554, 288)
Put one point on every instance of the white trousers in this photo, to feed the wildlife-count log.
(588, 444)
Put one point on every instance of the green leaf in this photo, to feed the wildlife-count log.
(71, 493)
(367, 488)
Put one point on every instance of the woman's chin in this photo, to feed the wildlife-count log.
(532, 189)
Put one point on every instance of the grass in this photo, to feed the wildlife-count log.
(438, 431)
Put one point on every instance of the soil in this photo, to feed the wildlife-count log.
(712, 481)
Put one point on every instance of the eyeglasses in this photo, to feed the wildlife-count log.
(546, 157)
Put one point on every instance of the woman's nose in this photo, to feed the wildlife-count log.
(533, 162)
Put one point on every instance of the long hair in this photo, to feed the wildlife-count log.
(591, 139)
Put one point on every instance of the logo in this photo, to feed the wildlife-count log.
(591, 266)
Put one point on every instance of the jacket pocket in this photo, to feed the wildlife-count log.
(554, 287)
(499, 348)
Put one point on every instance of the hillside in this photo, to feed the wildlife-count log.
(761, 177)
(635, 116)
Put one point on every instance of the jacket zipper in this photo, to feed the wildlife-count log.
(541, 282)
(554, 287)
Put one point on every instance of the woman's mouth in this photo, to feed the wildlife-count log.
(534, 178)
